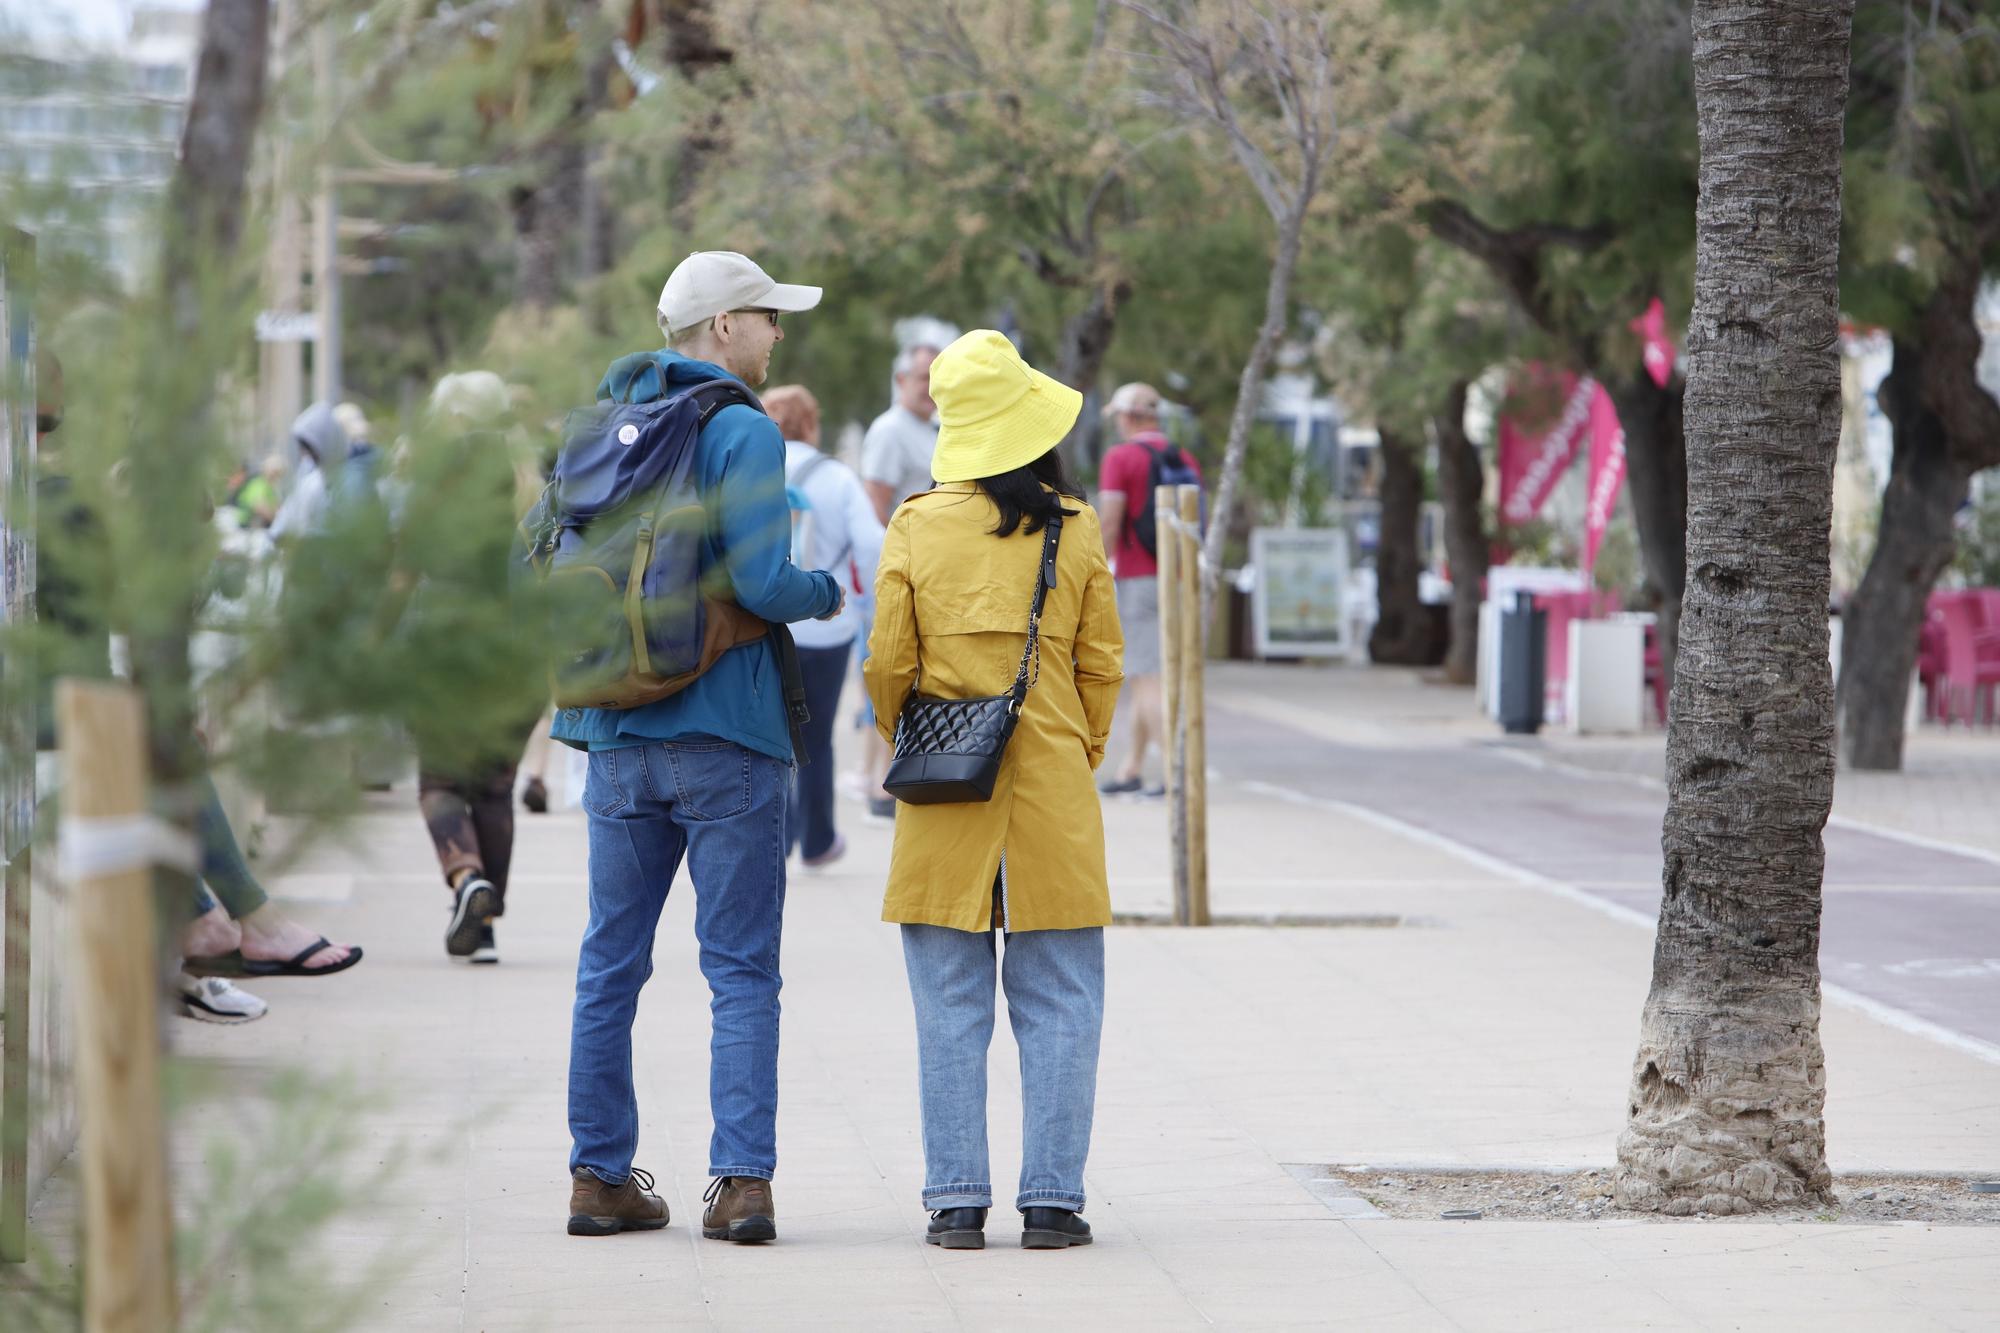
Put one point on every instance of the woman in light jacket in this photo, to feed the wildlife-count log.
(957, 579)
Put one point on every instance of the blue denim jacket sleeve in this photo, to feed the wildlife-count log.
(756, 523)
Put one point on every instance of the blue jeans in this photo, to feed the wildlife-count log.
(825, 671)
(1055, 999)
(723, 807)
(224, 872)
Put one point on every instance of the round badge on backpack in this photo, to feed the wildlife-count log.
(627, 433)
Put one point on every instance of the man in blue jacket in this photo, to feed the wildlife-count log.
(704, 774)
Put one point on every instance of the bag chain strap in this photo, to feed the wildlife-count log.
(1032, 653)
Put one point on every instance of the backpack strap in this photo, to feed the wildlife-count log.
(799, 478)
(712, 396)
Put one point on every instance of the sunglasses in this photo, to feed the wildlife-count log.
(771, 315)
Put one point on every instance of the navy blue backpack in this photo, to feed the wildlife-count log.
(617, 539)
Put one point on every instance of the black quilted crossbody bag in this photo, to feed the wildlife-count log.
(949, 750)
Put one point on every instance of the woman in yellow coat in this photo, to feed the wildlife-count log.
(953, 593)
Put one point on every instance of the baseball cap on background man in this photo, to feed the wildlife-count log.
(1141, 400)
(709, 282)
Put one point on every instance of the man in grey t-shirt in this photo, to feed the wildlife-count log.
(896, 451)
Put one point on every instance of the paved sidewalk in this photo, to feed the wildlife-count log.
(1496, 1028)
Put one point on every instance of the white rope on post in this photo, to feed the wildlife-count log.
(91, 847)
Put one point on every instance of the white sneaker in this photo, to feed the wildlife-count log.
(218, 1000)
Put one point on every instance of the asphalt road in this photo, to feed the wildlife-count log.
(1906, 926)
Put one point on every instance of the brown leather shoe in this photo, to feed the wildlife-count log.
(740, 1209)
(598, 1209)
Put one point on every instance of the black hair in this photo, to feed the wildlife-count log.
(1020, 495)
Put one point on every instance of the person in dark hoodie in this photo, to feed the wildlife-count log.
(705, 774)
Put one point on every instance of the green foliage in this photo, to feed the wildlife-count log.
(283, 1163)
(1273, 480)
(1922, 182)
(1596, 132)
(277, 1182)
(1978, 558)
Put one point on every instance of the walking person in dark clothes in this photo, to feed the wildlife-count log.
(465, 785)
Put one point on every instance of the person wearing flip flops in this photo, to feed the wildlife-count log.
(236, 931)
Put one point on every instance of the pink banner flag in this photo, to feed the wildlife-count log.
(1539, 437)
(1607, 474)
(1659, 347)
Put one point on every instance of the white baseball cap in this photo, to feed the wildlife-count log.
(1140, 400)
(709, 282)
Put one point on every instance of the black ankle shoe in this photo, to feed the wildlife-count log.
(957, 1229)
(1052, 1229)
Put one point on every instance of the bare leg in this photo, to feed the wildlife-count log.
(1148, 723)
(878, 756)
(271, 937)
(212, 934)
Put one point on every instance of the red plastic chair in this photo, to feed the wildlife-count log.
(1971, 659)
(1930, 660)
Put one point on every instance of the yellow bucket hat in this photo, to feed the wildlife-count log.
(995, 411)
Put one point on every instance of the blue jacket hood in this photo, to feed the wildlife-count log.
(645, 377)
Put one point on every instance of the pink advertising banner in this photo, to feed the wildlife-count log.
(1607, 474)
(1540, 434)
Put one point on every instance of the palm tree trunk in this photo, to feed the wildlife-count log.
(1729, 1086)
(1462, 486)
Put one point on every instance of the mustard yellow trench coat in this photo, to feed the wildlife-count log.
(951, 609)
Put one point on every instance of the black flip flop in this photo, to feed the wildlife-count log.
(234, 964)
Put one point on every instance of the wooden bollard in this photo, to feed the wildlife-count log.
(1167, 542)
(1194, 713)
(121, 1149)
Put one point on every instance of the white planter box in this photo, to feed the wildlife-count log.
(1606, 692)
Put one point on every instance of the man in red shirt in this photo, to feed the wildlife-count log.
(1124, 500)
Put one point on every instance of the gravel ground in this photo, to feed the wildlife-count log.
(1585, 1196)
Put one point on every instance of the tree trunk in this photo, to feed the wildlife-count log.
(200, 279)
(1086, 340)
(1947, 428)
(693, 49)
(1401, 636)
(1655, 443)
(1883, 621)
(545, 210)
(1249, 397)
(1729, 1086)
(1462, 485)
(1656, 474)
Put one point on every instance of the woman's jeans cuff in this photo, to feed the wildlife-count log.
(966, 1194)
(1049, 1199)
